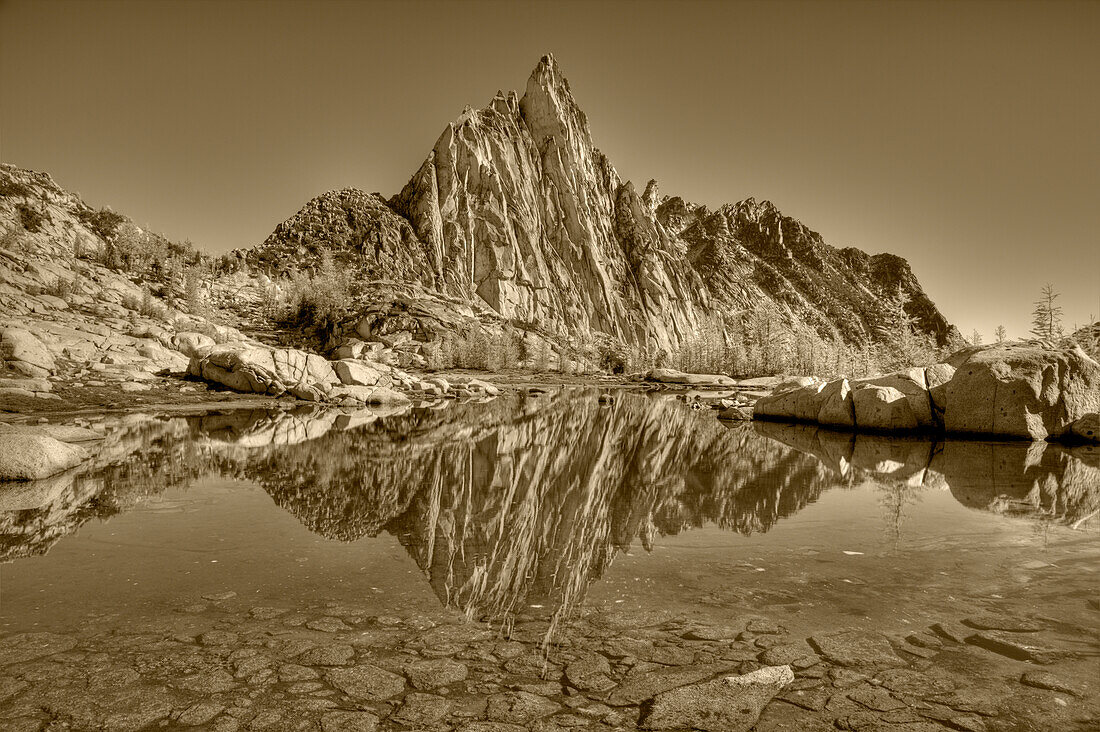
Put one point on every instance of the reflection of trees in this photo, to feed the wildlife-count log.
(894, 497)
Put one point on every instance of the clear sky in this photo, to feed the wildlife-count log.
(964, 136)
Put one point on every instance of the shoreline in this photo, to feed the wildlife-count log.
(201, 395)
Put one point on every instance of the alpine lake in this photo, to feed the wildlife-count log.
(575, 559)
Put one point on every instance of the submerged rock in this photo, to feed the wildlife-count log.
(857, 648)
(639, 688)
(433, 673)
(29, 646)
(519, 707)
(340, 721)
(731, 704)
(366, 682)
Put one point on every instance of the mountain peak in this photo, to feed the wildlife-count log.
(517, 208)
(548, 79)
(546, 70)
(549, 109)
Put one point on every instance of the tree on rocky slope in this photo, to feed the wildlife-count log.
(902, 344)
(1046, 318)
(1000, 334)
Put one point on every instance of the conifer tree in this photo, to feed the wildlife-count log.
(1046, 318)
(905, 345)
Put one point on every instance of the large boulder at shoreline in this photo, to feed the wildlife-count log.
(883, 408)
(360, 373)
(306, 376)
(378, 395)
(30, 456)
(836, 405)
(801, 404)
(672, 376)
(259, 370)
(1019, 390)
(912, 402)
(1085, 429)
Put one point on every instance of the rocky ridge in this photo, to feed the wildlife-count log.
(605, 472)
(516, 209)
(65, 317)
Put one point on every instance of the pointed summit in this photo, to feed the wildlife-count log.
(547, 74)
(547, 80)
(549, 108)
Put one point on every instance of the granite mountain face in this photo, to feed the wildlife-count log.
(516, 209)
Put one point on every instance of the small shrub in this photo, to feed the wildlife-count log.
(472, 351)
(447, 354)
(193, 294)
(103, 222)
(505, 350)
(318, 301)
(31, 217)
(613, 357)
(64, 288)
(146, 305)
(577, 354)
(84, 247)
(137, 251)
(9, 187)
(433, 355)
(184, 251)
(542, 356)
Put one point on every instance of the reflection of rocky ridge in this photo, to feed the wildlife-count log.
(527, 500)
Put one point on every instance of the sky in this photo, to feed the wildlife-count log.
(963, 136)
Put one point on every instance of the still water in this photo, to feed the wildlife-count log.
(551, 508)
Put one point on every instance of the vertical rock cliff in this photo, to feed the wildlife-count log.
(523, 211)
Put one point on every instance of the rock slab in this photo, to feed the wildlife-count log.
(731, 704)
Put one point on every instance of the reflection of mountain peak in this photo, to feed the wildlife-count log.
(531, 505)
(522, 501)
